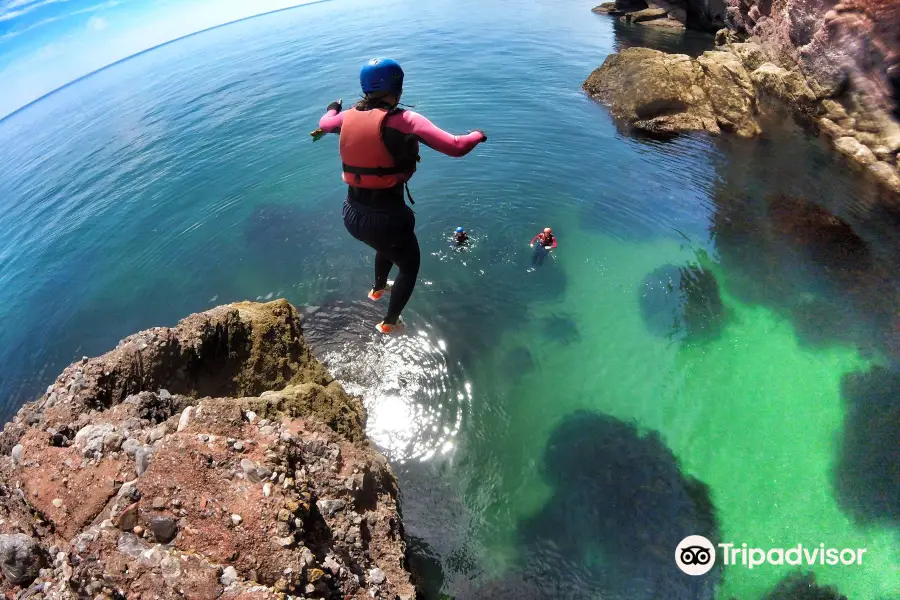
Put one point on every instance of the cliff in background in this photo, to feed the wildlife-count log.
(849, 48)
(836, 65)
(215, 459)
(848, 52)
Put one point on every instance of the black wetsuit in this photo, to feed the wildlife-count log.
(540, 253)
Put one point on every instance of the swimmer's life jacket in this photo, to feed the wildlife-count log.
(546, 239)
(367, 162)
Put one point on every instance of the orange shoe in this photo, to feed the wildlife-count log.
(376, 295)
(387, 328)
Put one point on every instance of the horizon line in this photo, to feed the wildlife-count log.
(152, 48)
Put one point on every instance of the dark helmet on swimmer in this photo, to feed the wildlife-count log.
(381, 75)
(459, 230)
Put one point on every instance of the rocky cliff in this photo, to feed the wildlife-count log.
(843, 47)
(836, 65)
(215, 459)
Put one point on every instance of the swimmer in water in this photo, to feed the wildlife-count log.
(461, 237)
(546, 242)
(547, 239)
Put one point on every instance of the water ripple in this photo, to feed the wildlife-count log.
(414, 391)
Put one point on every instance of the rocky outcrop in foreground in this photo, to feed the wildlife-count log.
(215, 459)
(837, 67)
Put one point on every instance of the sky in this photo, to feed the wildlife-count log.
(45, 44)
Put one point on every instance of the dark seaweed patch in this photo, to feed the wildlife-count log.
(682, 302)
(867, 478)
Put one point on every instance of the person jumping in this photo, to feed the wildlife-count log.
(379, 147)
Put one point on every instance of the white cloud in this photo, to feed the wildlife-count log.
(11, 34)
(17, 32)
(96, 7)
(97, 24)
(24, 7)
(92, 48)
(11, 15)
(16, 3)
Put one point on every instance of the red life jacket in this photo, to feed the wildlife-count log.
(367, 161)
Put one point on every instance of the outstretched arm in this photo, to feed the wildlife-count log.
(534, 239)
(434, 137)
(333, 118)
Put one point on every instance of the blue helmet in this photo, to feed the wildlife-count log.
(381, 75)
(459, 230)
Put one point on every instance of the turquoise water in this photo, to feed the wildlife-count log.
(709, 350)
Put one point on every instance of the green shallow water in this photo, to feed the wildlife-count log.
(553, 428)
(753, 414)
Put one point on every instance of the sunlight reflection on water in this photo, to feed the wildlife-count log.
(414, 393)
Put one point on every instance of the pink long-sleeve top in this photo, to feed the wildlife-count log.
(407, 122)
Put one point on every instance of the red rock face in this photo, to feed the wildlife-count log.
(143, 493)
(848, 44)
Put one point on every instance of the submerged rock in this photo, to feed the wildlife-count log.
(803, 586)
(517, 362)
(428, 574)
(518, 585)
(620, 499)
(561, 329)
(781, 245)
(866, 479)
(312, 436)
(682, 302)
(829, 240)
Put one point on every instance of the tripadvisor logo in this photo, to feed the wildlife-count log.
(696, 555)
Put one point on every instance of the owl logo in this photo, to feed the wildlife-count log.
(695, 555)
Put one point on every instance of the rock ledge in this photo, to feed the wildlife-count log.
(215, 459)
